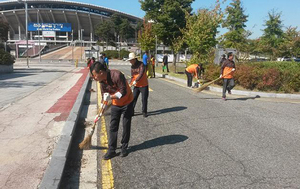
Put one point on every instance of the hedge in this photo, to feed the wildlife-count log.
(263, 76)
(115, 54)
(6, 58)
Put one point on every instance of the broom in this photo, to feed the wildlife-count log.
(204, 86)
(87, 142)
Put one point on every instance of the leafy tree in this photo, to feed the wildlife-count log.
(200, 33)
(3, 30)
(146, 37)
(291, 45)
(105, 31)
(237, 36)
(126, 30)
(168, 17)
(273, 35)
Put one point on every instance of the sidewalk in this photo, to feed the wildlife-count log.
(36, 127)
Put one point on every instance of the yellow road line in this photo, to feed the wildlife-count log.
(106, 168)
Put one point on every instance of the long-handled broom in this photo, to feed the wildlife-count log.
(87, 142)
(204, 86)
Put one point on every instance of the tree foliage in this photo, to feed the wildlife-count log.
(201, 30)
(146, 37)
(291, 43)
(105, 31)
(168, 17)
(3, 30)
(235, 21)
(273, 35)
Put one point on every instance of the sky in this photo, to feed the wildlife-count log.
(257, 11)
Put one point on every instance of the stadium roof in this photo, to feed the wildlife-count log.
(83, 17)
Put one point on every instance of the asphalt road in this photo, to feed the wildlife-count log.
(199, 141)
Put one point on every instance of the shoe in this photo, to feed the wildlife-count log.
(229, 92)
(145, 115)
(109, 155)
(223, 98)
(124, 153)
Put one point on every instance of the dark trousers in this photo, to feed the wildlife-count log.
(189, 78)
(228, 84)
(166, 67)
(153, 69)
(116, 112)
(145, 94)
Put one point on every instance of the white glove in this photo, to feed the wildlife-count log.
(221, 75)
(97, 117)
(233, 69)
(134, 83)
(106, 96)
(118, 95)
(198, 81)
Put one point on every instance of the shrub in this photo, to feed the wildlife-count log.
(6, 58)
(115, 54)
(247, 76)
(270, 80)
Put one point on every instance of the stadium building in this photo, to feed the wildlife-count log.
(53, 22)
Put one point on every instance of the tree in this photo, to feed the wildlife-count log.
(273, 35)
(3, 30)
(105, 31)
(200, 33)
(237, 36)
(291, 43)
(168, 17)
(126, 30)
(146, 37)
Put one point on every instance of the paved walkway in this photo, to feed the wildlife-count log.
(35, 106)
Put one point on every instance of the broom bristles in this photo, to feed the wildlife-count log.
(204, 86)
(87, 142)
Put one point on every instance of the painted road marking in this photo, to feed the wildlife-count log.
(238, 96)
(106, 168)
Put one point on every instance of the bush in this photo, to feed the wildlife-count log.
(264, 76)
(115, 54)
(6, 58)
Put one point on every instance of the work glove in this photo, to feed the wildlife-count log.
(134, 83)
(221, 76)
(198, 81)
(233, 69)
(106, 96)
(97, 118)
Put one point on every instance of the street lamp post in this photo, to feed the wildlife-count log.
(81, 30)
(26, 22)
(119, 46)
(156, 62)
(37, 14)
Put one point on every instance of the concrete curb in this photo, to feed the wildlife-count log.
(238, 92)
(54, 171)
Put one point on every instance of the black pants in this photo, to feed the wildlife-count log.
(166, 67)
(145, 94)
(116, 112)
(189, 78)
(153, 70)
(228, 84)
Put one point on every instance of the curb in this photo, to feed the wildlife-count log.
(54, 171)
(238, 92)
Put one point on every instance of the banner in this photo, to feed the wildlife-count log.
(63, 27)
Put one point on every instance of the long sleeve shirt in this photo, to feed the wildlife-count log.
(138, 74)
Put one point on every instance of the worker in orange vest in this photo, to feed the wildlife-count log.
(227, 69)
(193, 70)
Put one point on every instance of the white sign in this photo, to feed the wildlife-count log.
(48, 33)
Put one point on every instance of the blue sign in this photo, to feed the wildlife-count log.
(63, 27)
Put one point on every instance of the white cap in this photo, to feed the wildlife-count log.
(131, 56)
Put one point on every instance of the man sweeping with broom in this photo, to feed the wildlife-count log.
(227, 69)
(114, 85)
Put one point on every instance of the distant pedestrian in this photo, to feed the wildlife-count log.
(140, 82)
(105, 59)
(227, 69)
(194, 70)
(114, 84)
(153, 65)
(145, 59)
(165, 63)
(222, 59)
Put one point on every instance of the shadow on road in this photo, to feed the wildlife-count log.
(160, 141)
(167, 110)
(245, 98)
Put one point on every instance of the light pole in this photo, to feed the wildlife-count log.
(119, 45)
(81, 30)
(37, 18)
(26, 32)
(156, 62)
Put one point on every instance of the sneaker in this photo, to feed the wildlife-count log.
(145, 114)
(109, 155)
(223, 98)
(124, 153)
